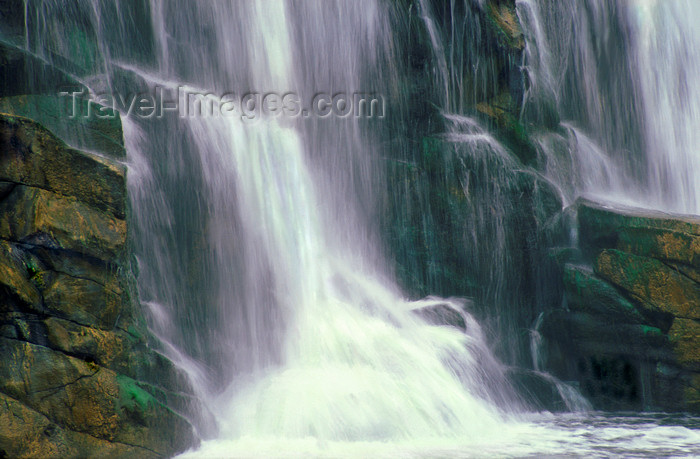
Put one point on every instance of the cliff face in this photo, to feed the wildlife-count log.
(631, 331)
(78, 372)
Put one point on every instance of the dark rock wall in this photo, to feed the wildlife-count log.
(466, 213)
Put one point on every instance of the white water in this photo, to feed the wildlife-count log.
(624, 76)
(330, 349)
(666, 39)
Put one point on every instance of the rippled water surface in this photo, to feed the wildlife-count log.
(538, 435)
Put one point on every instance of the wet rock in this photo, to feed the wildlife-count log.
(87, 398)
(538, 390)
(12, 274)
(504, 18)
(86, 302)
(442, 314)
(24, 73)
(646, 233)
(599, 335)
(655, 285)
(79, 376)
(46, 219)
(545, 201)
(78, 125)
(34, 157)
(564, 255)
(585, 292)
(685, 337)
(28, 433)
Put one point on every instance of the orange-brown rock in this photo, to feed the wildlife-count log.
(685, 337)
(655, 285)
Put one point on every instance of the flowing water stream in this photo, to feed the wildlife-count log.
(260, 258)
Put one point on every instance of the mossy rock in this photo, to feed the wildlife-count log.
(685, 337)
(14, 276)
(33, 156)
(585, 292)
(502, 114)
(504, 19)
(104, 272)
(653, 284)
(86, 302)
(25, 432)
(647, 233)
(43, 218)
(87, 398)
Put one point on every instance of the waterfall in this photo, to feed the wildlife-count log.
(258, 258)
(622, 76)
(261, 238)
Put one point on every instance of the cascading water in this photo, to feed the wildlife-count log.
(260, 258)
(623, 78)
(313, 342)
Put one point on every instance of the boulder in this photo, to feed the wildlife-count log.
(642, 232)
(442, 314)
(631, 333)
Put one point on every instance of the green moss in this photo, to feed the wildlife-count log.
(135, 333)
(36, 275)
(651, 331)
(131, 396)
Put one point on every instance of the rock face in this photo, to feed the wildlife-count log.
(78, 374)
(465, 213)
(631, 334)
